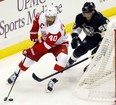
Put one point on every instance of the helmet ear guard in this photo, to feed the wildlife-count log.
(51, 11)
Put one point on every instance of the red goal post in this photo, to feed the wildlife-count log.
(114, 29)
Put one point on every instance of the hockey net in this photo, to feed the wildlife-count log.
(98, 82)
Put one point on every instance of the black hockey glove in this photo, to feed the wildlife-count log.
(75, 40)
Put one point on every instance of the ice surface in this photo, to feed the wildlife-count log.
(27, 91)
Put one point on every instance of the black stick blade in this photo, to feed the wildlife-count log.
(5, 99)
(36, 77)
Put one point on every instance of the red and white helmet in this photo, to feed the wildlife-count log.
(51, 11)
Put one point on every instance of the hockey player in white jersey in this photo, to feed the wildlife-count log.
(53, 40)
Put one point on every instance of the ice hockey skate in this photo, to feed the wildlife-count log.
(11, 79)
(51, 84)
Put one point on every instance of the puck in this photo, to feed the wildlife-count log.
(10, 99)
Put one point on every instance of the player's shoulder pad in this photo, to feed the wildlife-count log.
(79, 20)
(42, 15)
(99, 16)
(42, 18)
(79, 16)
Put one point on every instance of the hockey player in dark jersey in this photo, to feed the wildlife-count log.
(93, 23)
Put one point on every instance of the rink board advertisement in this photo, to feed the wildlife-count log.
(17, 15)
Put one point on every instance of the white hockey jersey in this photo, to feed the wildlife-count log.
(53, 34)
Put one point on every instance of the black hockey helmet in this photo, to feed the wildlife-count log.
(88, 7)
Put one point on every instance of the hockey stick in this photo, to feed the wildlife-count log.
(35, 77)
(5, 99)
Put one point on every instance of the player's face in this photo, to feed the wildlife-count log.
(50, 19)
(88, 15)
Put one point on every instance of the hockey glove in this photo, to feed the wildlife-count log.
(75, 40)
(28, 52)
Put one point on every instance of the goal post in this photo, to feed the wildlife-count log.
(115, 60)
(99, 80)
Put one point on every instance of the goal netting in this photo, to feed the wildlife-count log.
(98, 82)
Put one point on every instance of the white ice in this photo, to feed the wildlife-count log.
(27, 91)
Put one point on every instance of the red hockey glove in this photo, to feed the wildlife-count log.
(28, 52)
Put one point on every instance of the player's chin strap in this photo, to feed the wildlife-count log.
(35, 77)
